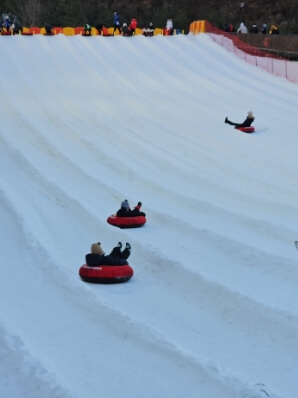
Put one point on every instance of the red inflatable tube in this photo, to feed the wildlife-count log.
(246, 129)
(106, 273)
(126, 222)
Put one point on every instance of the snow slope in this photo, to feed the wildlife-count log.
(212, 308)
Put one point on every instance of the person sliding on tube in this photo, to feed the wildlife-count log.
(125, 210)
(117, 256)
(247, 122)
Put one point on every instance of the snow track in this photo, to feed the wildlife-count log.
(212, 308)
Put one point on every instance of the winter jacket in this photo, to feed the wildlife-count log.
(116, 20)
(247, 122)
(254, 29)
(264, 29)
(7, 24)
(129, 213)
(274, 30)
(242, 28)
(169, 24)
(126, 31)
(133, 23)
(95, 260)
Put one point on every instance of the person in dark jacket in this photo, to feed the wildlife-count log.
(99, 28)
(247, 122)
(125, 210)
(87, 30)
(274, 30)
(48, 29)
(97, 256)
(16, 27)
(254, 28)
(126, 30)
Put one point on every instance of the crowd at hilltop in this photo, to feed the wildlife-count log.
(10, 24)
(253, 29)
(130, 29)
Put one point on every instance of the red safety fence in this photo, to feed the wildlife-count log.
(261, 57)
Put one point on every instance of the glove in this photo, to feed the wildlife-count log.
(139, 203)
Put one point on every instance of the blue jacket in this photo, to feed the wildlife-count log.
(7, 23)
(116, 20)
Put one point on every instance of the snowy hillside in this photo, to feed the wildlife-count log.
(212, 309)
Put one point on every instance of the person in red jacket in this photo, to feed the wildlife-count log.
(133, 25)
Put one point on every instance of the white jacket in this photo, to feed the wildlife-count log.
(169, 24)
(242, 28)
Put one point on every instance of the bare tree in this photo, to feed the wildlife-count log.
(29, 11)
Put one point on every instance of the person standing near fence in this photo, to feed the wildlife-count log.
(242, 28)
(264, 29)
(254, 28)
(274, 30)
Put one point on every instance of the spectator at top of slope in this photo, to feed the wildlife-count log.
(242, 28)
(126, 30)
(149, 31)
(170, 26)
(49, 29)
(116, 23)
(274, 30)
(264, 29)
(87, 30)
(6, 22)
(133, 25)
(254, 28)
(228, 27)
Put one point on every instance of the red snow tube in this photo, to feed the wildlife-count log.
(246, 129)
(106, 273)
(126, 222)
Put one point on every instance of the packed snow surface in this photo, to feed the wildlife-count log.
(212, 308)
